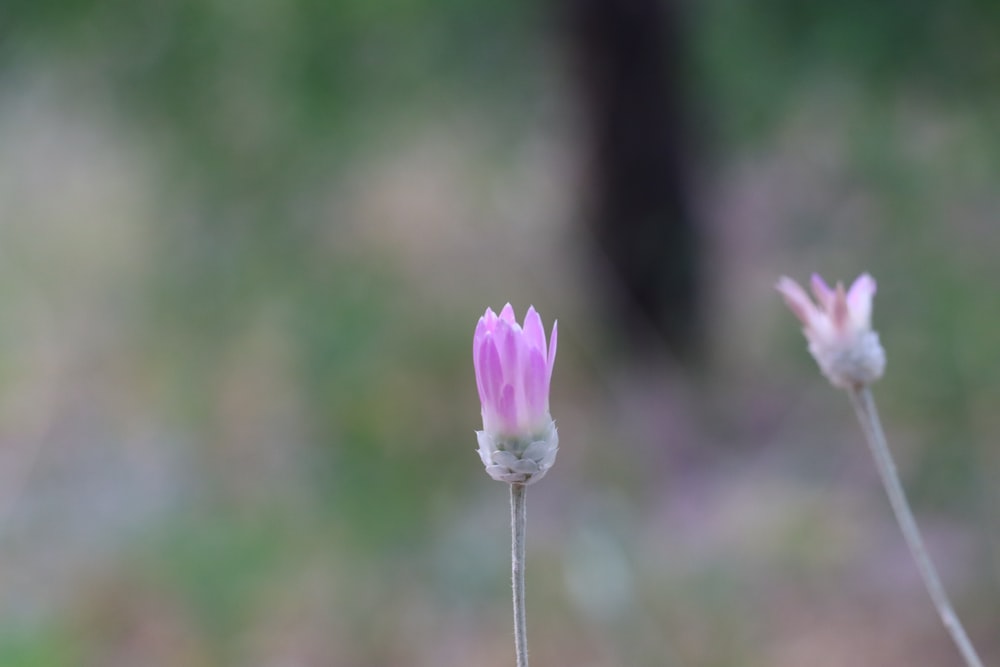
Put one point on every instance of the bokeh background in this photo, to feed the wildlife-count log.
(243, 247)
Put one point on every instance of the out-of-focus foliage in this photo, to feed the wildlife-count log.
(256, 106)
(754, 55)
(255, 109)
(257, 403)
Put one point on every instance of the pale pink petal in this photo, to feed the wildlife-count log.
(859, 299)
(797, 300)
(476, 347)
(507, 409)
(553, 340)
(491, 319)
(534, 330)
(838, 309)
(513, 371)
(507, 343)
(483, 329)
(536, 384)
(479, 336)
(824, 295)
(490, 371)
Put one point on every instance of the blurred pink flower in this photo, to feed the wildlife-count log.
(838, 328)
(513, 365)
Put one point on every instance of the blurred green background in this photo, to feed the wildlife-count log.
(243, 247)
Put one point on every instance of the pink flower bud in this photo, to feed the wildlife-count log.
(838, 328)
(518, 442)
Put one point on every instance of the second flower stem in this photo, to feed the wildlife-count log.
(518, 517)
(864, 406)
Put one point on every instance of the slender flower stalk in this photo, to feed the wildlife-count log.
(518, 518)
(864, 406)
(519, 442)
(848, 351)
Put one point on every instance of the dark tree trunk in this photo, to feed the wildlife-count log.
(630, 73)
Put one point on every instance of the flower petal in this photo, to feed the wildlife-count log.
(477, 344)
(859, 300)
(507, 344)
(797, 300)
(824, 295)
(491, 319)
(553, 339)
(536, 385)
(513, 367)
(480, 334)
(534, 330)
(507, 410)
(507, 314)
(490, 371)
(838, 310)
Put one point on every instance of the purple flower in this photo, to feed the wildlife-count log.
(838, 328)
(513, 364)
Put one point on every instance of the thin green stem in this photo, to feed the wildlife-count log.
(518, 517)
(864, 406)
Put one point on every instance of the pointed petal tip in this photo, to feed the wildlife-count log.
(859, 299)
(865, 282)
(796, 299)
(533, 329)
(783, 283)
(488, 320)
(790, 289)
(821, 290)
